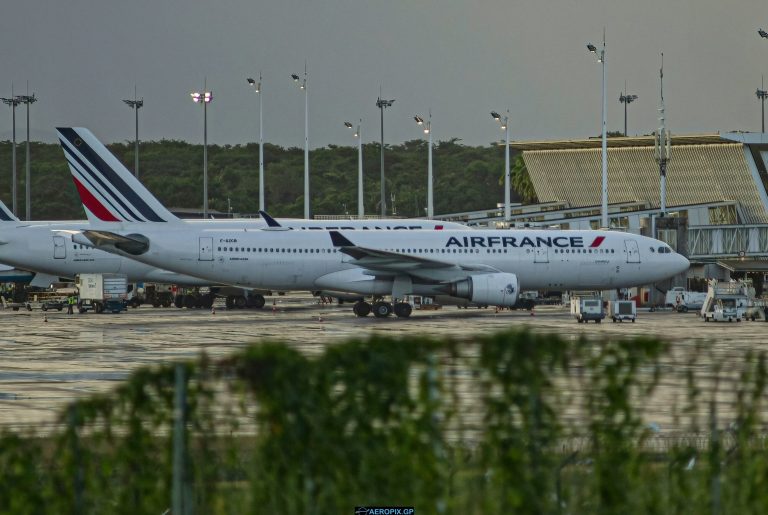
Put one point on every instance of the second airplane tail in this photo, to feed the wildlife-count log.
(109, 192)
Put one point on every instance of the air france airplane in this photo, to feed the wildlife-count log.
(482, 266)
(46, 249)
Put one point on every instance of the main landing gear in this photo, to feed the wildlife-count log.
(382, 309)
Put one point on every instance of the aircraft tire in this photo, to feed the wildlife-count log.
(382, 309)
(403, 310)
(189, 301)
(230, 301)
(178, 301)
(361, 309)
(206, 301)
(256, 301)
(240, 301)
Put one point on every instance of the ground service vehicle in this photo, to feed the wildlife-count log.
(757, 311)
(726, 301)
(102, 292)
(620, 310)
(682, 300)
(585, 309)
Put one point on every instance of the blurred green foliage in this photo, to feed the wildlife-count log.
(515, 422)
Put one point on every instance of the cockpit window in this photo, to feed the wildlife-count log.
(665, 250)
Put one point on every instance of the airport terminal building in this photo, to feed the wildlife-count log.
(717, 195)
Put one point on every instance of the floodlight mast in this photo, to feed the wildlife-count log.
(13, 101)
(303, 86)
(135, 105)
(257, 89)
(428, 131)
(604, 209)
(504, 125)
(626, 99)
(204, 98)
(27, 99)
(761, 95)
(381, 104)
(359, 136)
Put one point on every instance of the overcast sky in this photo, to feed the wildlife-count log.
(460, 58)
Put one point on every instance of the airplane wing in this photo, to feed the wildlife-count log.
(397, 262)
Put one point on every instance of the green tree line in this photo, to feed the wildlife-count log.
(466, 178)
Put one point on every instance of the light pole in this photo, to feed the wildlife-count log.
(303, 86)
(604, 210)
(27, 99)
(13, 101)
(359, 135)
(204, 98)
(761, 95)
(257, 88)
(381, 104)
(505, 127)
(428, 131)
(626, 100)
(136, 105)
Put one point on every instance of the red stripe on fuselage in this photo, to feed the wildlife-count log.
(597, 242)
(92, 203)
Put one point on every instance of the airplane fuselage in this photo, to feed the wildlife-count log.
(308, 260)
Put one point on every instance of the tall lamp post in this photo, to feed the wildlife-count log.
(504, 123)
(626, 100)
(761, 95)
(604, 210)
(204, 98)
(13, 101)
(136, 105)
(303, 86)
(257, 88)
(359, 135)
(381, 104)
(428, 131)
(27, 99)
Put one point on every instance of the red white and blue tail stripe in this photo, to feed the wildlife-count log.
(109, 192)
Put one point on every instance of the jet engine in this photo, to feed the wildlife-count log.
(496, 289)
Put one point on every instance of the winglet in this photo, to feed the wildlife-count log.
(340, 240)
(271, 222)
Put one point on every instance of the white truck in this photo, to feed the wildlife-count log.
(682, 300)
(620, 310)
(585, 309)
(102, 292)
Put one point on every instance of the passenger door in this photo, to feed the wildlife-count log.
(206, 249)
(633, 253)
(542, 255)
(59, 247)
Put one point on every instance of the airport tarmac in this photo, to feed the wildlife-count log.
(46, 364)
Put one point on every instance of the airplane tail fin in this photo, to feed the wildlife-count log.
(108, 191)
(5, 214)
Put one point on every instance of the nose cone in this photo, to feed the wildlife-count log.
(681, 264)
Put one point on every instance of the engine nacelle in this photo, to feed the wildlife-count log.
(497, 289)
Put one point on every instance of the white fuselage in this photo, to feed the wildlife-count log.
(46, 247)
(301, 260)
